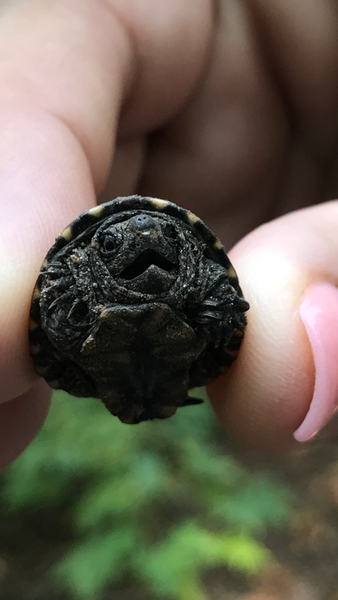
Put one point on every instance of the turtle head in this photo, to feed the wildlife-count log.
(141, 253)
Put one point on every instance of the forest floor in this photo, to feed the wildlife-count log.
(305, 563)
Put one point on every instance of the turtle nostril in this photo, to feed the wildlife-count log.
(143, 221)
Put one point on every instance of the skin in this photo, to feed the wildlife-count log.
(243, 97)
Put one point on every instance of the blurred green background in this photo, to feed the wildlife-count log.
(95, 509)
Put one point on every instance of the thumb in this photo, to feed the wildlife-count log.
(44, 182)
(286, 377)
(57, 122)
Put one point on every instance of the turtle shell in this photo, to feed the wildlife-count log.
(136, 303)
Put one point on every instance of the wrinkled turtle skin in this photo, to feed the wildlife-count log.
(135, 304)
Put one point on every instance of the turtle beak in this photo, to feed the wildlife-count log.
(146, 234)
(143, 262)
(147, 248)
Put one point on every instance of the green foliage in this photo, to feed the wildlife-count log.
(160, 502)
(97, 560)
(174, 566)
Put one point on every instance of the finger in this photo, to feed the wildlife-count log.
(226, 148)
(311, 31)
(259, 136)
(20, 421)
(44, 182)
(269, 389)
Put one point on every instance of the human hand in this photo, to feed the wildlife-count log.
(227, 110)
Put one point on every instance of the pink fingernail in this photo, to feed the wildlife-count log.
(319, 312)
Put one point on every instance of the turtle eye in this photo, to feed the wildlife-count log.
(110, 243)
(170, 233)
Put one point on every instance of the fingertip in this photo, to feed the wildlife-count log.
(264, 396)
(319, 313)
(20, 421)
(45, 182)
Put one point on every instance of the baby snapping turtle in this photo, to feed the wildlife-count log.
(136, 303)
